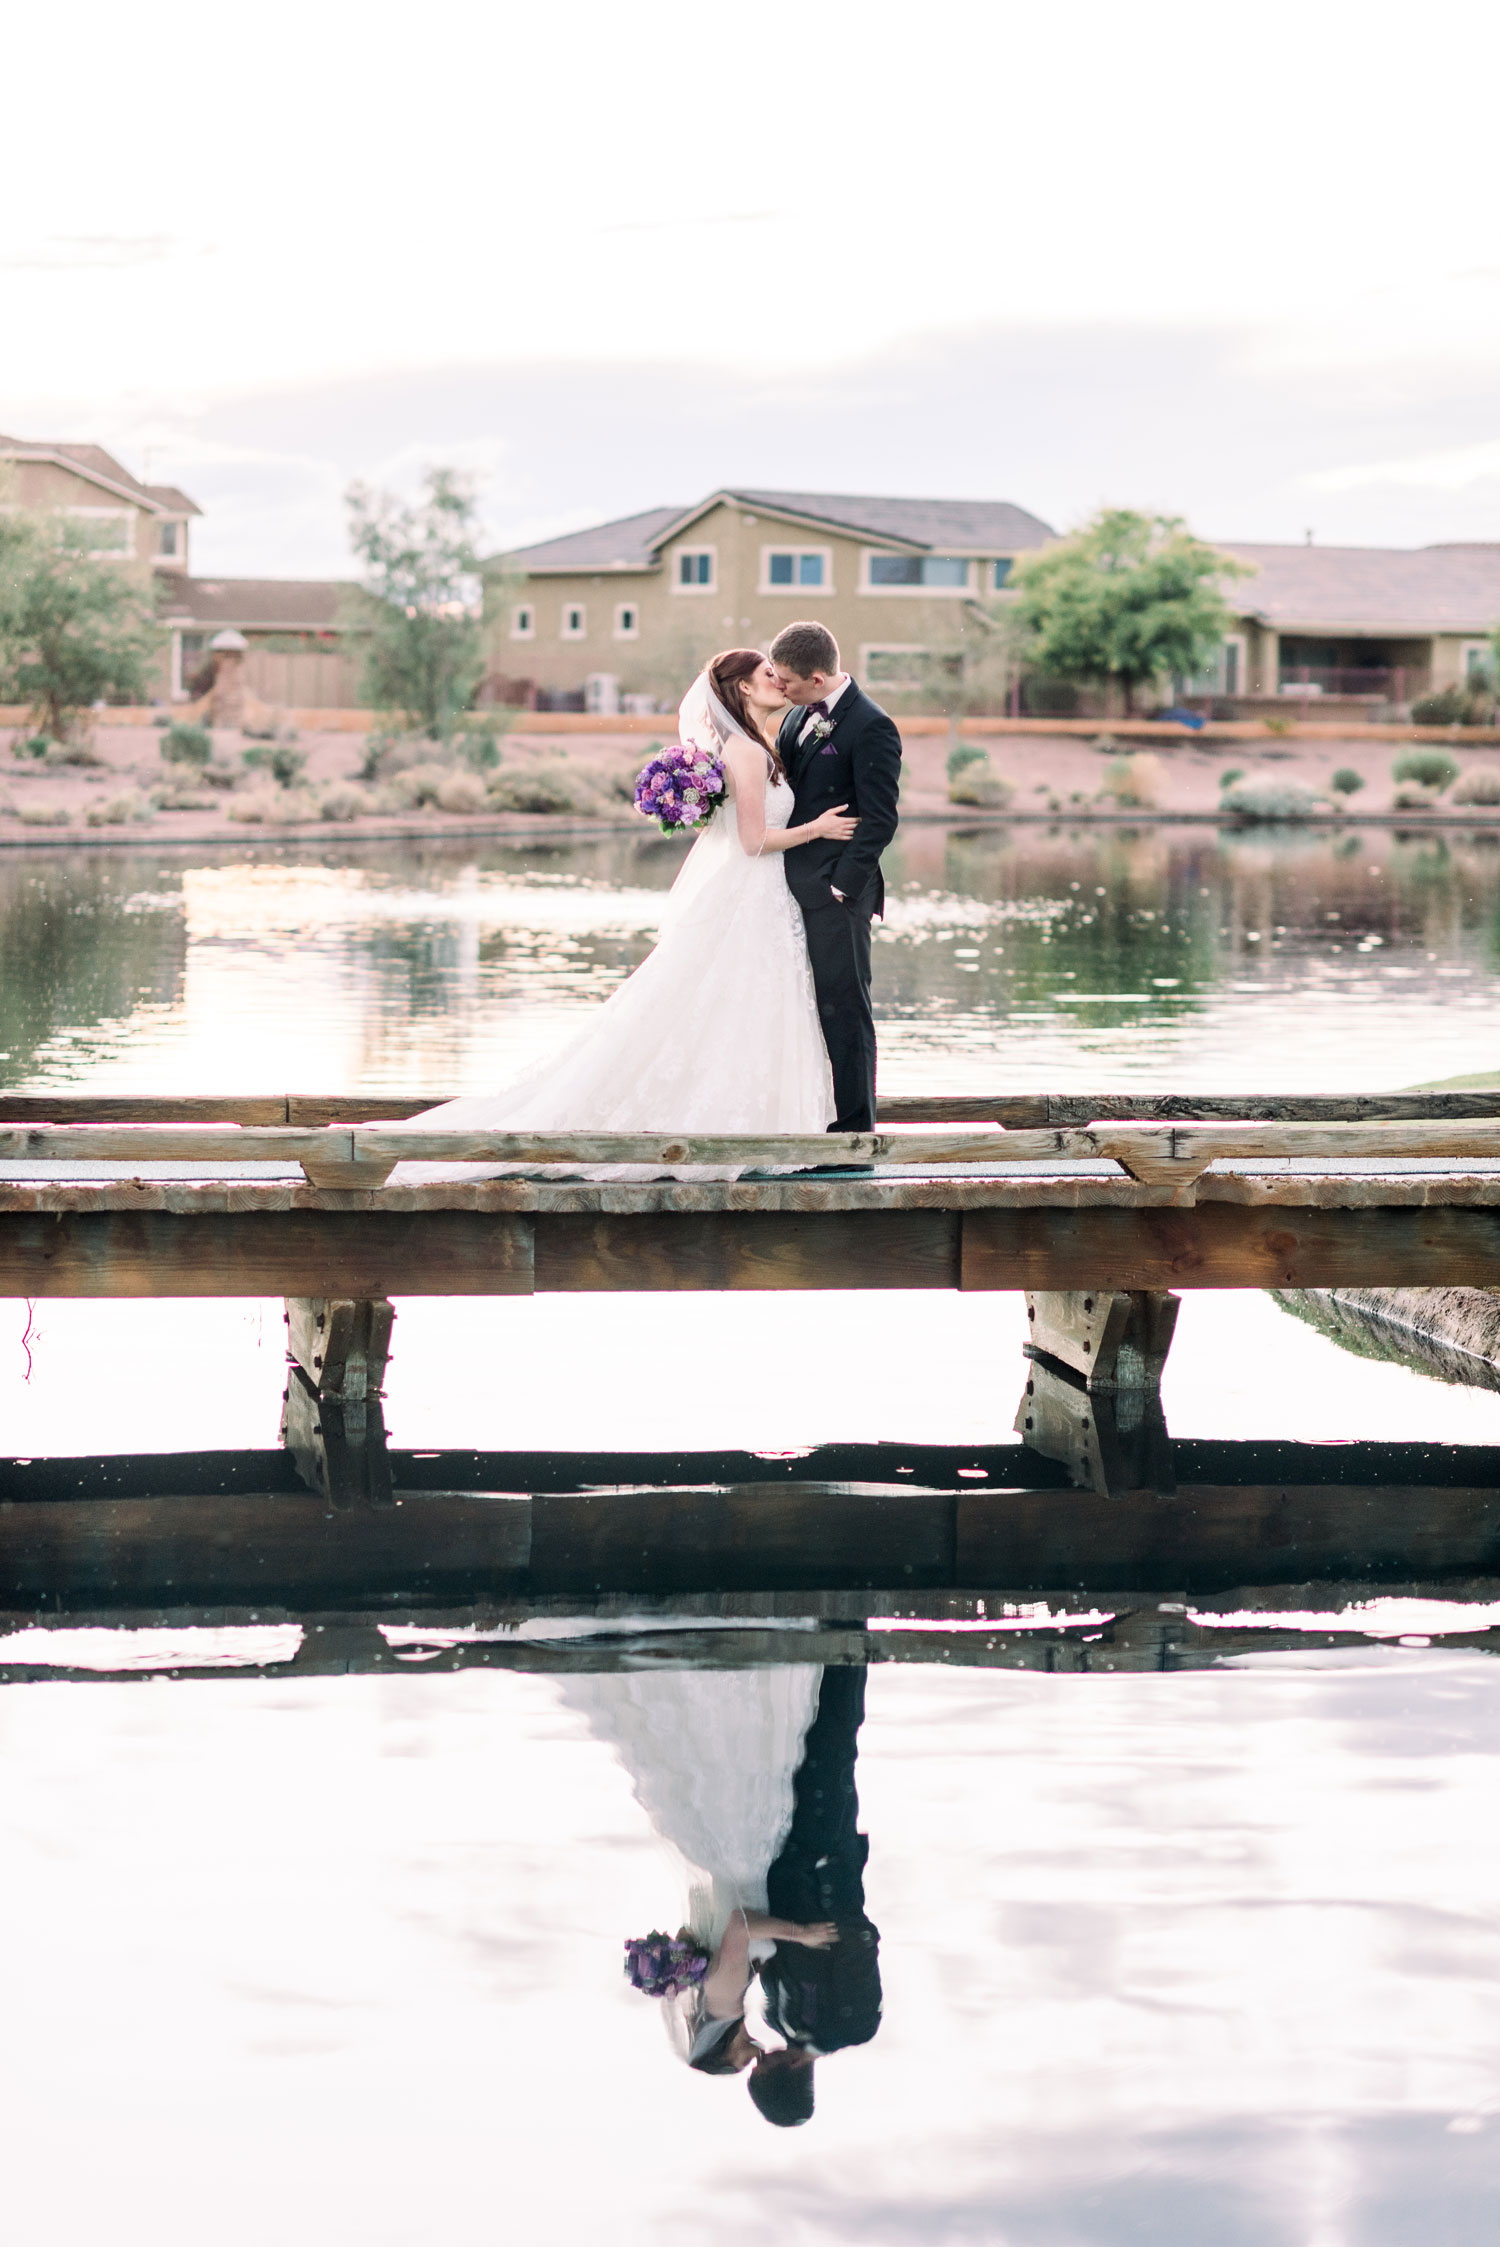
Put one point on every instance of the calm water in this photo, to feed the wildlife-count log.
(1199, 1958)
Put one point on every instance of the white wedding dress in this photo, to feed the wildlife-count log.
(716, 1031)
(711, 1756)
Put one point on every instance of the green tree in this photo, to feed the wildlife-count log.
(74, 629)
(420, 606)
(1127, 599)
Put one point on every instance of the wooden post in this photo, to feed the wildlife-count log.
(1112, 1441)
(1112, 1340)
(332, 1422)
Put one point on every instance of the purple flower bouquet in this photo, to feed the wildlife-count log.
(680, 787)
(660, 1965)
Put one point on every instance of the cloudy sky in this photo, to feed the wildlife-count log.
(1240, 267)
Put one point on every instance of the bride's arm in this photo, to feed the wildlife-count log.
(746, 765)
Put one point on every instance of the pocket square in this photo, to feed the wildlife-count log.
(828, 750)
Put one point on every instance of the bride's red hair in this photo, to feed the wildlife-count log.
(727, 675)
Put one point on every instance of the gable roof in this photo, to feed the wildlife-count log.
(1369, 588)
(263, 604)
(634, 542)
(103, 469)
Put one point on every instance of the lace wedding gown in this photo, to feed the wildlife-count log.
(716, 1031)
(711, 1756)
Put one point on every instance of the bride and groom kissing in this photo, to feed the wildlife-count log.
(748, 1776)
(752, 1013)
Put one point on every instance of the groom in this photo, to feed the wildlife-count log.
(838, 747)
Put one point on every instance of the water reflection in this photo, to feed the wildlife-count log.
(1069, 957)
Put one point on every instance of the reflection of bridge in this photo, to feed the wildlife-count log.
(1097, 1207)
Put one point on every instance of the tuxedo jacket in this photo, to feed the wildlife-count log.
(858, 764)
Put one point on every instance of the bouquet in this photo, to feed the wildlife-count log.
(680, 787)
(660, 1965)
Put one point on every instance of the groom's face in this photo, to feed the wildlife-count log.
(802, 691)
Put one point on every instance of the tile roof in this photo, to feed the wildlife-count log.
(103, 468)
(259, 604)
(1424, 589)
(633, 542)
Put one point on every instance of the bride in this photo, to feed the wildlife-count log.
(711, 1756)
(717, 1030)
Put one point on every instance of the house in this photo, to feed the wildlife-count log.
(1383, 621)
(144, 525)
(296, 631)
(634, 608)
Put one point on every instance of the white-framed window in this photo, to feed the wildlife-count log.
(169, 539)
(523, 622)
(627, 621)
(916, 573)
(1476, 659)
(1000, 573)
(575, 621)
(902, 664)
(109, 530)
(796, 569)
(695, 569)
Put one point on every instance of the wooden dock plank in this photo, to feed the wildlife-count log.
(750, 1250)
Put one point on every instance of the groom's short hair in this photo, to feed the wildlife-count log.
(805, 648)
(782, 2094)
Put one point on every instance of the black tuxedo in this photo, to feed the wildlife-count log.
(826, 1998)
(858, 764)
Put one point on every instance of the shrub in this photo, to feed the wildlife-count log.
(118, 811)
(30, 745)
(343, 801)
(1278, 725)
(543, 789)
(1412, 796)
(181, 799)
(962, 755)
(416, 788)
(380, 742)
(220, 776)
(1230, 775)
(284, 763)
(1479, 785)
(462, 793)
(983, 787)
(1430, 768)
(1448, 707)
(77, 749)
(184, 743)
(1346, 781)
(45, 815)
(274, 807)
(1270, 804)
(1134, 779)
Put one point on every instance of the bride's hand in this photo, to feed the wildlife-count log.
(817, 1935)
(832, 826)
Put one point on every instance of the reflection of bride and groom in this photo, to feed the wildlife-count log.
(749, 1777)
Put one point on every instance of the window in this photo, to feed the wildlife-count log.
(627, 621)
(784, 568)
(108, 530)
(523, 623)
(895, 666)
(928, 573)
(1002, 573)
(167, 538)
(1479, 662)
(695, 571)
(574, 620)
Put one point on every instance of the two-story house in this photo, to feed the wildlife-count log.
(635, 607)
(144, 526)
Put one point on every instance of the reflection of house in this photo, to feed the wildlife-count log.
(633, 607)
(296, 637)
(1393, 622)
(144, 525)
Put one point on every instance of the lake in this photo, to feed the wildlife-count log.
(1166, 1956)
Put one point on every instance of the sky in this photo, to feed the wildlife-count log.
(1242, 269)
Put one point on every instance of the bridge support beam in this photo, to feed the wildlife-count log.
(332, 1422)
(1093, 1393)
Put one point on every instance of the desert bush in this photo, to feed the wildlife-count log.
(983, 788)
(44, 815)
(181, 799)
(542, 789)
(221, 776)
(120, 810)
(1413, 796)
(1480, 784)
(76, 749)
(1430, 768)
(284, 763)
(1269, 804)
(1346, 781)
(269, 729)
(184, 743)
(274, 807)
(30, 745)
(1134, 779)
(461, 793)
(1230, 775)
(343, 801)
(962, 755)
(1448, 707)
(416, 788)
